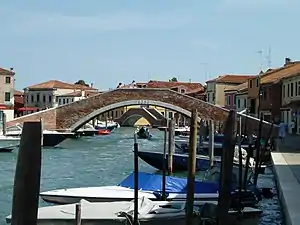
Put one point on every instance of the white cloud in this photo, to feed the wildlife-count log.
(107, 22)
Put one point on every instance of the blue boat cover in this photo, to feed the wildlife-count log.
(153, 182)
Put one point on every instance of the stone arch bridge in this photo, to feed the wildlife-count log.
(131, 116)
(72, 116)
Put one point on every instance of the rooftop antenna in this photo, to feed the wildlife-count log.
(269, 58)
(260, 52)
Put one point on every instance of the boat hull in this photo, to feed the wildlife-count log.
(113, 194)
(180, 161)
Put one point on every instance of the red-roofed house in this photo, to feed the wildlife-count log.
(216, 87)
(41, 96)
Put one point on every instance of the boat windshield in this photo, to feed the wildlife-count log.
(17, 127)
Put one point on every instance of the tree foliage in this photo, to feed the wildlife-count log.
(174, 79)
(82, 82)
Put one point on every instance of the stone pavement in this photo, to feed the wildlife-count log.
(286, 161)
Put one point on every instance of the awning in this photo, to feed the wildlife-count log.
(2, 107)
(27, 109)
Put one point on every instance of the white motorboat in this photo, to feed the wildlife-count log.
(110, 194)
(50, 138)
(150, 186)
(115, 213)
(110, 125)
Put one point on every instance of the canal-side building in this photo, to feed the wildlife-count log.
(44, 95)
(18, 103)
(269, 93)
(216, 88)
(236, 97)
(7, 83)
(74, 96)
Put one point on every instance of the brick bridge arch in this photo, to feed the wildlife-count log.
(73, 115)
(131, 116)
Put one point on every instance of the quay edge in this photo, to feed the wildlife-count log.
(288, 188)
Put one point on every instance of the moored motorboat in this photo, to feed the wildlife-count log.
(50, 138)
(150, 186)
(180, 160)
(121, 212)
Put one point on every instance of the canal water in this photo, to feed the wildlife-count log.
(96, 161)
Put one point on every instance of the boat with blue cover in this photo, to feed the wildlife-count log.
(150, 186)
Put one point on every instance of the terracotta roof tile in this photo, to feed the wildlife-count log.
(230, 78)
(241, 87)
(6, 72)
(276, 75)
(18, 92)
(171, 84)
(60, 85)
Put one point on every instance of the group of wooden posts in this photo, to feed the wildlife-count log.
(28, 170)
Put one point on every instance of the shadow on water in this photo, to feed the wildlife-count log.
(98, 161)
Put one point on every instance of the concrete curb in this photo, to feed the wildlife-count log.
(288, 189)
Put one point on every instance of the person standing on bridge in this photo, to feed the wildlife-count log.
(133, 84)
(119, 85)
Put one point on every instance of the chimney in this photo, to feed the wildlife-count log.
(92, 84)
(287, 61)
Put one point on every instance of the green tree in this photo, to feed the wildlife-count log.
(174, 79)
(81, 82)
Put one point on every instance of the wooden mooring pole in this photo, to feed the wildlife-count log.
(226, 168)
(4, 123)
(78, 213)
(27, 176)
(258, 147)
(164, 166)
(191, 167)
(136, 181)
(171, 146)
(211, 146)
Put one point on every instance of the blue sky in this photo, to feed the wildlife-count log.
(112, 41)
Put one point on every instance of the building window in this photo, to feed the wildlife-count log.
(37, 97)
(59, 101)
(288, 90)
(245, 103)
(238, 103)
(72, 99)
(50, 98)
(44, 98)
(292, 89)
(228, 101)
(182, 90)
(208, 97)
(116, 113)
(7, 80)
(32, 98)
(170, 115)
(250, 84)
(64, 101)
(296, 88)
(283, 91)
(7, 96)
(213, 96)
(257, 82)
